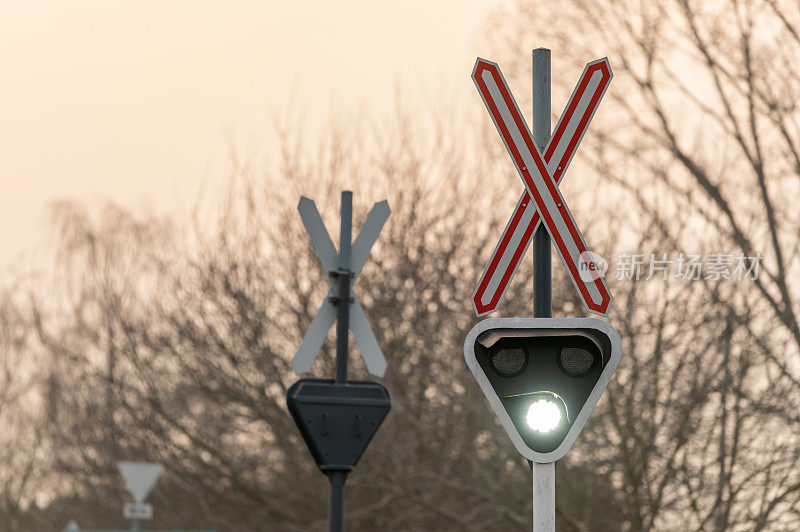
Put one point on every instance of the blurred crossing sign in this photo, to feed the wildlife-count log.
(329, 258)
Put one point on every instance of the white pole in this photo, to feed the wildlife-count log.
(544, 497)
(544, 475)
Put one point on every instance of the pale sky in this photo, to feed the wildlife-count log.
(138, 101)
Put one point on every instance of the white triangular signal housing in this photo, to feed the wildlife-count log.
(598, 332)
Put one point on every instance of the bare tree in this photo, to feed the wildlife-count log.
(193, 341)
(23, 448)
(171, 342)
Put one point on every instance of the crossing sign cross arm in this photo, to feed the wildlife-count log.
(541, 201)
(326, 315)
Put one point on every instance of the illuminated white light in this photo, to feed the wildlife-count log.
(543, 416)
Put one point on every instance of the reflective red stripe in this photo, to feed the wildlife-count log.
(549, 182)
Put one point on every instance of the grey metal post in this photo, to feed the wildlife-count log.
(343, 322)
(338, 478)
(544, 475)
(135, 525)
(542, 276)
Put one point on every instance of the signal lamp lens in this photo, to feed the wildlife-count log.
(509, 362)
(575, 361)
(543, 415)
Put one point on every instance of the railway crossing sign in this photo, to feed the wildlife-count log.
(338, 417)
(329, 258)
(541, 201)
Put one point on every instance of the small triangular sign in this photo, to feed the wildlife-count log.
(140, 477)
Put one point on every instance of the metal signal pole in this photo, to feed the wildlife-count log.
(337, 477)
(344, 273)
(544, 475)
(542, 275)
